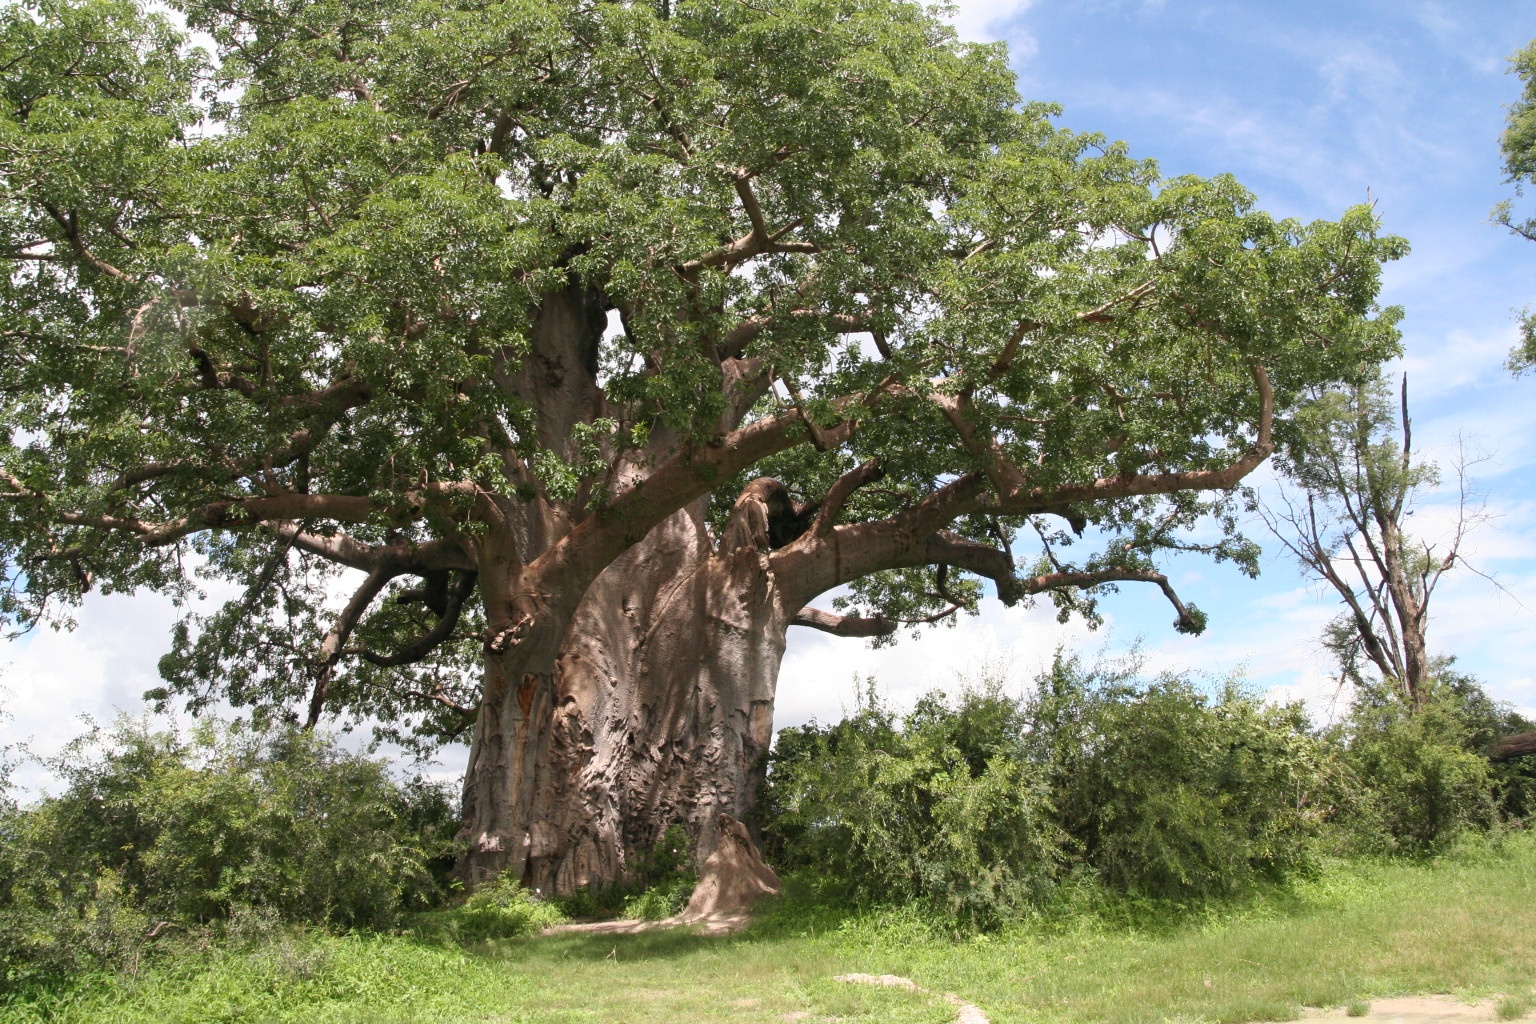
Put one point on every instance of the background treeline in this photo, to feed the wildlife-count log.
(1099, 787)
(1102, 783)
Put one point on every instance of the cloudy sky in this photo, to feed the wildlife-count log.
(1314, 105)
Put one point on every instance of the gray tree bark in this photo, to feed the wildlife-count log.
(659, 712)
(658, 709)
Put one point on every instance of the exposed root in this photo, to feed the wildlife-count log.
(969, 1013)
(733, 879)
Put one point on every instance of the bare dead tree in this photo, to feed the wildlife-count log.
(1348, 484)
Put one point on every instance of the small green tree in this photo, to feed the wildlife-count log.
(1413, 777)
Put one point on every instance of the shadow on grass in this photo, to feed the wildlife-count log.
(810, 907)
(805, 909)
(647, 945)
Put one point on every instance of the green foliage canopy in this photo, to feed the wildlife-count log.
(276, 309)
(1519, 146)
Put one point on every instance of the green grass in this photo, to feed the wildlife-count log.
(1513, 1007)
(1465, 924)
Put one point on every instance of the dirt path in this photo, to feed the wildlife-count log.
(1416, 1010)
(965, 1013)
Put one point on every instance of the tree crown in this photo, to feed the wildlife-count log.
(369, 284)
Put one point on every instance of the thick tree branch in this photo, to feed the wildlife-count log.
(244, 513)
(736, 340)
(626, 518)
(331, 646)
(343, 549)
(944, 548)
(765, 517)
(1035, 499)
(1521, 744)
(298, 445)
(70, 224)
(845, 625)
(841, 490)
(418, 649)
(230, 514)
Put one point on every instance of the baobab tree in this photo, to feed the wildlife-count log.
(588, 344)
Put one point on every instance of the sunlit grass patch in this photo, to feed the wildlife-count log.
(1514, 1007)
(1465, 923)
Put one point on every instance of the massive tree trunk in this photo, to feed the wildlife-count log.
(658, 709)
(517, 697)
(659, 712)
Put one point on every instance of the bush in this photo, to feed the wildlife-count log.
(977, 806)
(156, 831)
(1170, 793)
(1415, 779)
(499, 909)
(1484, 722)
(942, 808)
(661, 900)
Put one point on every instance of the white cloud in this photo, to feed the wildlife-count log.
(54, 679)
(52, 683)
(1461, 359)
(986, 21)
(817, 680)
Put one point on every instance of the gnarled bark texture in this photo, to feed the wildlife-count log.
(659, 708)
(659, 712)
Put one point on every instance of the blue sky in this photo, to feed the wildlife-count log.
(1313, 106)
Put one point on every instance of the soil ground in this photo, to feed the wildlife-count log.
(1417, 1010)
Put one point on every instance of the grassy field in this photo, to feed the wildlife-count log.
(1465, 924)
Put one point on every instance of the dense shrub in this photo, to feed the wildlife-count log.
(156, 831)
(1483, 723)
(500, 909)
(976, 806)
(1415, 779)
(1169, 792)
(943, 807)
